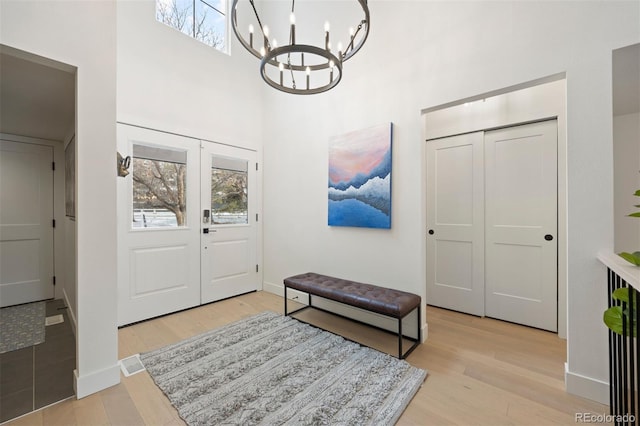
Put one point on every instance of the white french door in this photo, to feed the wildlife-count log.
(26, 223)
(171, 255)
(455, 222)
(492, 224)
(521, 224)
(229, 222)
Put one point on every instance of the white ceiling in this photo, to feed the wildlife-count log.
(37, 96)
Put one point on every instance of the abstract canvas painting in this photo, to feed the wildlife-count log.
(360, 178)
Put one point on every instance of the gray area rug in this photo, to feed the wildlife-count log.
(21, 326)
(273, 370)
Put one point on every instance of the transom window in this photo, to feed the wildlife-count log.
(204, 20)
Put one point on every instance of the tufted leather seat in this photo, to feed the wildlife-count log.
(393, 303)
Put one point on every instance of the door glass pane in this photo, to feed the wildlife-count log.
(229, 191)
(159, 187)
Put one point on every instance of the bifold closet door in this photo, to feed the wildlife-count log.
(455, 223)
(521, 224)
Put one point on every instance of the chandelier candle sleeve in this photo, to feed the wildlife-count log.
(326, 36)
(292, 19)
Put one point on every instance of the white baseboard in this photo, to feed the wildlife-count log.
(586, 387)
(96, 381)
(70, 313)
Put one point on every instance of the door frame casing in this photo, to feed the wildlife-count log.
(532, 101)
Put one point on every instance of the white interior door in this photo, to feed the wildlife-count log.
(229, 222)
(521, 224)
(158, 224)
(455, 221)
(26, 223)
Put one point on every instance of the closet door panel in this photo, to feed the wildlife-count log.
(521, 224)
(455, 220)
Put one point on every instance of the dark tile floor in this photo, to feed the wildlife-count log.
(34, 377)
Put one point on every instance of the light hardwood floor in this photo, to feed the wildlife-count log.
(481, 371)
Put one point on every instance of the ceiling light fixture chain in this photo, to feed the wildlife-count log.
(321, 67)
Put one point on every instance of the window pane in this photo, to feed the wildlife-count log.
(229, 194)
(159, 190)
(177, 14)
(210, 25)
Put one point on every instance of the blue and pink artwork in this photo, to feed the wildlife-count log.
(360, 178)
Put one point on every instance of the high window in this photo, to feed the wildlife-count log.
(204, 20)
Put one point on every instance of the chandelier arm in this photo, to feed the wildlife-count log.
(291, 41)
(255, 12)
(358, 28)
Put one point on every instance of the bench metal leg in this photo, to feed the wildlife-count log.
(400, 356)
(286, 312)
(285, 300)
(416, 342)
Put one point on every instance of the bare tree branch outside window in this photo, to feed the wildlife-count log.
(160, 185)
(194, 21)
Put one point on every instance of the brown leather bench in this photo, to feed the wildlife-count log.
(385, 301)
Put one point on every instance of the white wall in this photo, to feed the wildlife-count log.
(626, 175)
(421, 55)
(83, 34)
(171, 82)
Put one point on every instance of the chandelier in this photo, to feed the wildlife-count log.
(294, 67)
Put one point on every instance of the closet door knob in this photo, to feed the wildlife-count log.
(431, 232)
(548, 237)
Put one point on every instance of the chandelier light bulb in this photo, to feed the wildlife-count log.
(292, 18)
(263, 51)
(265, 31)
(327, 26)
(274, 43)
(308, 71)
(250, 28)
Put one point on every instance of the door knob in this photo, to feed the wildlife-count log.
(431, 232)
(548, 237)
